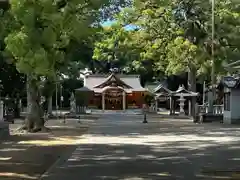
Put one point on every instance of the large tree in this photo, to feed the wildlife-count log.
(113, 46)
(118, 46)
(39, 34)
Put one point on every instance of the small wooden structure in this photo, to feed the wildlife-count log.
(162, 93)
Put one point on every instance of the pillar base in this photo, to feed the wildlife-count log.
(182, 114)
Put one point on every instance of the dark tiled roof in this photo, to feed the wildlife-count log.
(113, 77)
(94, 80)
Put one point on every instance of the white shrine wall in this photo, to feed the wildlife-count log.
(233, 115)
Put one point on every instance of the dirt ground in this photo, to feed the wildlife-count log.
(28, 156)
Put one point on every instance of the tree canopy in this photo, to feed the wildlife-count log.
(175, 36)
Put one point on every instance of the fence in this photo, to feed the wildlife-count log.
(217, 109)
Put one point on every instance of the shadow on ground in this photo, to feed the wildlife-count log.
(28, 156)
(136, 162)
(128, 150)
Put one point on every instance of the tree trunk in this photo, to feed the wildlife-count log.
(49, 110)
(17, 109)
(192, 84)
(34, 121)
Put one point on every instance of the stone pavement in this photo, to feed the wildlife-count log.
(26, 156)
(120, 147)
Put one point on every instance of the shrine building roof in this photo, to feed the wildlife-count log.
(99, 82)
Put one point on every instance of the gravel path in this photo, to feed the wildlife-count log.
(120, 147)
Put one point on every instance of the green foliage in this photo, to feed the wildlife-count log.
(41, 32)
(181, 54)
(113, 46)
(37, 44)
(174, 36)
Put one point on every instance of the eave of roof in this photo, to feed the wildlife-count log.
(182, 91)
(109, 79)
(163, 88)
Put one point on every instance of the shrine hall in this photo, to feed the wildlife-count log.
(111, 92)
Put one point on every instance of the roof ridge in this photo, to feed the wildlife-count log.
(118, 75)
(116, 78)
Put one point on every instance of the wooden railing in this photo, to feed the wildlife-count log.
(217, 109)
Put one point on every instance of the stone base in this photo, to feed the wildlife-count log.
(4, 131)
(227, 121)
(176, 116)
(182, 115)
(209, 118)
(231, 121)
